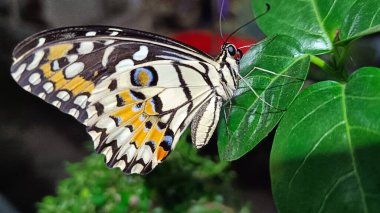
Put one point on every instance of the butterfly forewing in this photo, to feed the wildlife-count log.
(135, 91)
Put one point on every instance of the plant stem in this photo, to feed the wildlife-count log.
(340, 59)
(324, 66)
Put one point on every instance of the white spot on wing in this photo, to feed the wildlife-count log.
(107, 53)
(114, 33)
(55, 65)
(94, 135)
(123, 64)
(16, 75)
(115, 29)
(141, 54)
(74, 69)
(63, 95)
(137, 168)
(81, 101)
(74, 112)
(130, 152)
(108, 42)
(107, 123)
(27, 88)
(36, 60)
(48, 87)
(108, 153)
(91, 33)
(145, 153)
(42, 95)
(57, 103)
(85, 47)
(35, 78)
(72, 58)
(41, 42)
(121, 164)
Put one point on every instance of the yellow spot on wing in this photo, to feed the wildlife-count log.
(140, 135)
(58, 51)
(149, 108)
(79, 85)
(143, 78)
(46, 69)
(157, 134)
(126, 96)
(126, 113)
(76, 85)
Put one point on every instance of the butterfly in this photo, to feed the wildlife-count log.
(136, 92)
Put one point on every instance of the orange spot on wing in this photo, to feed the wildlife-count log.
(161, 153)
(58, 51)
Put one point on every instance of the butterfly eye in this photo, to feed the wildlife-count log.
(231, 50)
(239, 54)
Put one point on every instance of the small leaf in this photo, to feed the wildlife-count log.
(251, 119)
(325, 157)
(362, 19)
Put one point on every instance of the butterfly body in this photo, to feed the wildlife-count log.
(135, 91)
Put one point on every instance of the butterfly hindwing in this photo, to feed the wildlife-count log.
(135, 91)
(136, 127)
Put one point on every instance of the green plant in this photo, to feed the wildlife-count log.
(325, 156)
(187, 182)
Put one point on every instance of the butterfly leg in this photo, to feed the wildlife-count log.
(226, 118)
(270, 72)
(205, 121)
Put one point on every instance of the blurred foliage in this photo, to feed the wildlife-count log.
(186, 182)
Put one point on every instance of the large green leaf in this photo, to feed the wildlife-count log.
(362, 19)
(251, 118)
(325, 157)
(316, 23)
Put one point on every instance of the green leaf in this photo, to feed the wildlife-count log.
(325, 157)
(316, 24)
(251, 119)
(313, 23)
(362, 19)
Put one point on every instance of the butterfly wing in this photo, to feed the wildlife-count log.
(135, 91)
(136, 128)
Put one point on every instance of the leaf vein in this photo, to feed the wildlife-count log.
(311, 151)
(366, 129)
(331, 190)
(314, 110)
(373, 18)
(352, 154)
(329, 12)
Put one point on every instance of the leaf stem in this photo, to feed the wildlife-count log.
(324, 66)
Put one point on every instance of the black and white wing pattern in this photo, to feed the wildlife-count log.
(135, 91)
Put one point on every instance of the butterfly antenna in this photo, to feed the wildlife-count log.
(220, 21)
(249, 22)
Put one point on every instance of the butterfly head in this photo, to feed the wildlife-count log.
(232, 53)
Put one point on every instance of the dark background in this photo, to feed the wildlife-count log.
(36, 139)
